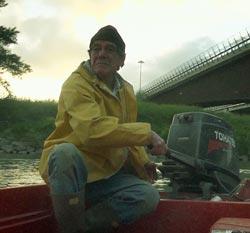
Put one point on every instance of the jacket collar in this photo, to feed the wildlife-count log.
(85, 66)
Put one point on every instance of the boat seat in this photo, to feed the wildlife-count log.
(231, 225)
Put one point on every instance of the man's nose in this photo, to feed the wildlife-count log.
(103, 52)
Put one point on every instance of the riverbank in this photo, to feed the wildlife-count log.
(10, 148)
(31, 123)
(20, 156)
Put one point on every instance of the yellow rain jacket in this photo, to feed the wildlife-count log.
(101, 125)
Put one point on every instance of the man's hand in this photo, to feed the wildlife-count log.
(158, 146)
(150, 168)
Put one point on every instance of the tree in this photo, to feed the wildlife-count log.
(9, 62)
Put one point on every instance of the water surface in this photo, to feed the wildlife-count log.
(16, 172)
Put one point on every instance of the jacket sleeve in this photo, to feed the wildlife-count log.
(93, 126)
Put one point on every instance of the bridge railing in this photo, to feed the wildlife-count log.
(214, 55)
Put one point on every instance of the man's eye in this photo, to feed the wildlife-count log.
(96, 49)
(111, 49)
(108, 49)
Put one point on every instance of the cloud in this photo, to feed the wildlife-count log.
(98, 9)
(54, 35)
(48, 46)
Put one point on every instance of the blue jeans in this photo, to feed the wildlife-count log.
(128, 196)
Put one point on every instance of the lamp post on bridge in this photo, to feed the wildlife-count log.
(140, 62)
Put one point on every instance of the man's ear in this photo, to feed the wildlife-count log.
(123, 57)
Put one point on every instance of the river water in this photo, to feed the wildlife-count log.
(16, 172)
(19, 172)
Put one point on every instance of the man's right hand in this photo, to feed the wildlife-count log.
(158, 145)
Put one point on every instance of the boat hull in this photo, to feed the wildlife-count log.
(29, 210)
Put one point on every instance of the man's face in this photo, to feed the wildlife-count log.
(105, 58)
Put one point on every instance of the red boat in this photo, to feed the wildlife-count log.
(29, 210)
(206, 194)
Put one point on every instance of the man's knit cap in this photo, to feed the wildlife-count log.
(109, 33)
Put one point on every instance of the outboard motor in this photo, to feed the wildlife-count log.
(202, 155)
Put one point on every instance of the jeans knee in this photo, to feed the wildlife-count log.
(67, 170)
(148, 204)
(65, 157)
(152, 198)
(134, 203)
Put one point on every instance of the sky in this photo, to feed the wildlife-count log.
(54, 36)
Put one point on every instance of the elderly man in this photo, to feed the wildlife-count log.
(96, 153)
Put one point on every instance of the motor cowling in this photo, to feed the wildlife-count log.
(203, 154)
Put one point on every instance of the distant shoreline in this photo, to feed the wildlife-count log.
(20, 156)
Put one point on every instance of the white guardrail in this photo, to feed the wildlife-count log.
(225, 50)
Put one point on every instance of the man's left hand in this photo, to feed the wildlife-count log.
(150, 168)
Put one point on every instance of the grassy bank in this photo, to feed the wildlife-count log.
(33, 121)
(26, 120)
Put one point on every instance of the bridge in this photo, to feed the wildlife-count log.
(218, 76)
